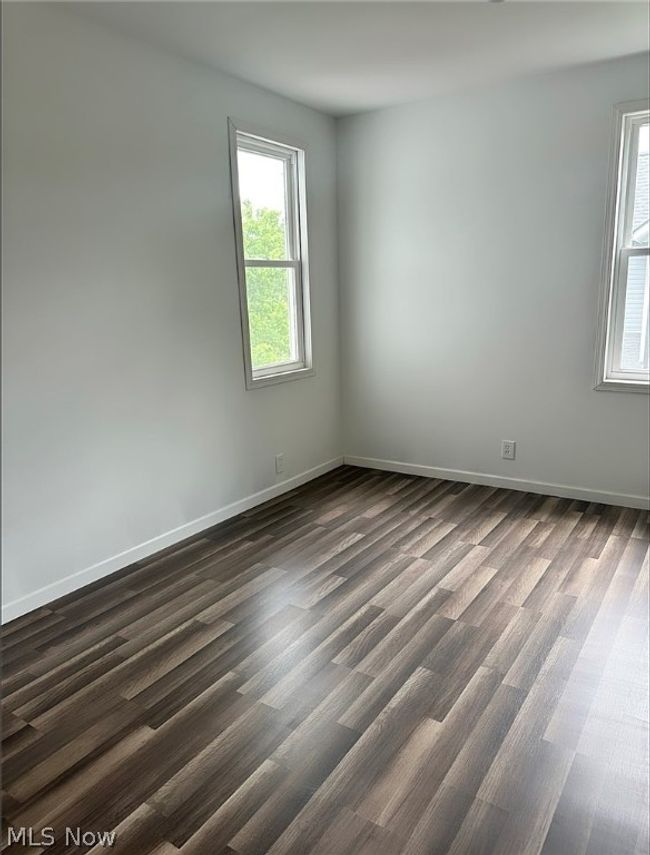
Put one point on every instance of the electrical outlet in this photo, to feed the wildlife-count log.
(279, 463)
(508, 449)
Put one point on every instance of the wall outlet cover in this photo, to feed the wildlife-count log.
(508, 449)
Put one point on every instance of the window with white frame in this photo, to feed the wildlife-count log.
(623, 362)
(268, 182)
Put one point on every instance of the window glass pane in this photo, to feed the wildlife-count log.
(263, 203)
(634, 355)
(271, 314)
(640, 212)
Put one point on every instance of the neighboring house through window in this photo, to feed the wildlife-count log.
(624, 333)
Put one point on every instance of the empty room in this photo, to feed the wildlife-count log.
(325, 427)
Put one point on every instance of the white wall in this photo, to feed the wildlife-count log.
(470, 237)
(125, 409)
(470, 232)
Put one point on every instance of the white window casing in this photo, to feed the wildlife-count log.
(246, 139)
(622, 335)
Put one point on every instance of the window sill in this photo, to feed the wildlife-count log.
(623, 386)
(278, 377)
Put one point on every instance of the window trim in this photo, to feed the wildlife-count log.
(303, 367)
(616, 253)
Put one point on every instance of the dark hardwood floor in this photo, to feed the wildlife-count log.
(371, 664)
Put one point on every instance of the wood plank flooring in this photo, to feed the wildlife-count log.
(372, 664)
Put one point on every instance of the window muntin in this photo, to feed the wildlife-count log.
(270, 225)
(624, 357)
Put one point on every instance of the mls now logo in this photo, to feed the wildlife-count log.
(73, 837)
(28, 837)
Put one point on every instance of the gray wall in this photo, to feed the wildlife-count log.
(470, 237)
(125, 409)
(470, 230)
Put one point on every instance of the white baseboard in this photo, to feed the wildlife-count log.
(48, 593)
(564, 491)
(71, 583)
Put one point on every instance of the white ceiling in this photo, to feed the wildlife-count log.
(347, 57)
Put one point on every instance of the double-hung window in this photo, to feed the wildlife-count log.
(622, 359)
(268, 184)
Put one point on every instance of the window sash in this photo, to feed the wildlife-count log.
(289, 158)
(619, 298)
(296, 317)
(629, 166)
(610, 374)
(296, 245)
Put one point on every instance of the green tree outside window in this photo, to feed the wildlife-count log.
(267, 288)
